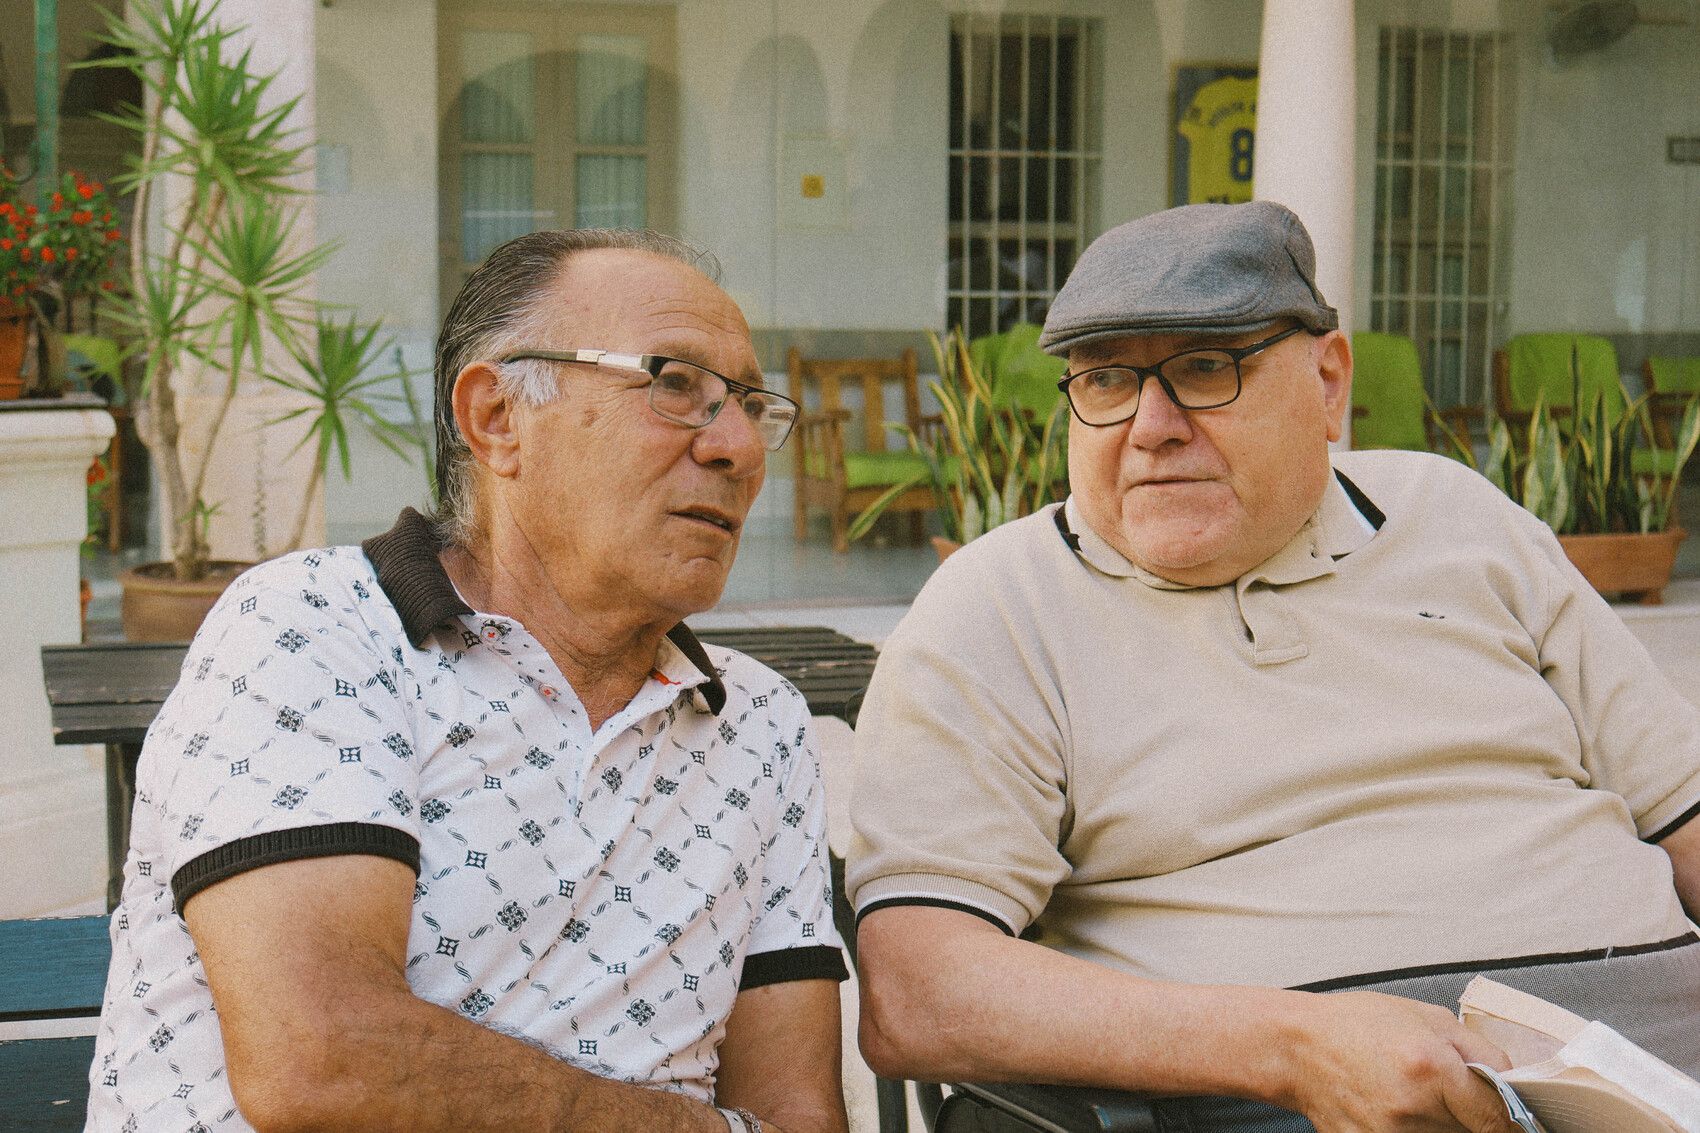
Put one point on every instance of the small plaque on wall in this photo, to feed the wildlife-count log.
(1682, 151)
(1213, 124)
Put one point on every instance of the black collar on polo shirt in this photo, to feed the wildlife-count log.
(413, 578)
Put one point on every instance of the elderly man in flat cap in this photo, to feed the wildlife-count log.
(1243, 722)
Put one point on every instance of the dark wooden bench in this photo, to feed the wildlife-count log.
(52, 976)
(108, 693)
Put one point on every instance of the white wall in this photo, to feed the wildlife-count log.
(869, 84)
(1606, 234)
(377, 135)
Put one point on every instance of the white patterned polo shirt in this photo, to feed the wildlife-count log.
(605, 894)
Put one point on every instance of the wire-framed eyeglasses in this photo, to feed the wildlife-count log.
(688, 394)
(1194, 379)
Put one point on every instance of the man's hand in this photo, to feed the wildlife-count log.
(1371, 1062)
(306, 963)
(947, 997)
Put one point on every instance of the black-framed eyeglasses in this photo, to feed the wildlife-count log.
(688, 394)
(1194, 379)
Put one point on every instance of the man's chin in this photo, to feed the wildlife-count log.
(1191, 559)
(696, 585)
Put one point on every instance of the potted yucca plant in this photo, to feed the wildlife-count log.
(218, 288)
(989, 458)
(1578, 473)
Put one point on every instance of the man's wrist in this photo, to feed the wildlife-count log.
(740, 1120)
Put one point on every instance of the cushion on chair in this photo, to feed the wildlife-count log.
(1675, 375)
(1541, 363)
(882, 469)
(1387, 380)
(1647, 462)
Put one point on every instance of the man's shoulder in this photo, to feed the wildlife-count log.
(750, 684)
(341, 565)
(1402, 482)
(323, 584)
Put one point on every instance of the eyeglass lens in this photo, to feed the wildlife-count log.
(690, 395)
(1199, 379)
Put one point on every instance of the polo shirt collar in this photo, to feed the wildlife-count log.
(405, 559)
(1345, 522)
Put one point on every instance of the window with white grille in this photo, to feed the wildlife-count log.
(1025, 110)
(1442, 178)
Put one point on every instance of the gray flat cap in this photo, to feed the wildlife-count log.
(1193, 268)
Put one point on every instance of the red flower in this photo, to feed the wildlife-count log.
(86, 191)
(58, 200)
(107, 285)
(47, 255)
(70, 253)
(114, 236)
(24, 254)
(82, 216)
(5, 244)
(97, 473)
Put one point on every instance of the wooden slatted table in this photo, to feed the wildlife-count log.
(108, 693)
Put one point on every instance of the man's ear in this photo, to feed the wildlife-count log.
(485, 416)
(1334, 364)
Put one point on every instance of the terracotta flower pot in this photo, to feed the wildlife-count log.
(14, 339)
(1636, 566)
(158, 607)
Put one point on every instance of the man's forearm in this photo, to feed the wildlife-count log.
(1056, 1018)
(945, 997)
(398, 1062)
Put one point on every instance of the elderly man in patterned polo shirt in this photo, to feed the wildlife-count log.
(463, 829)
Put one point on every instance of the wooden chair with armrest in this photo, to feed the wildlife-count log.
(1389, 406)
(842, 468)
(1531, 366)
(1672, 382)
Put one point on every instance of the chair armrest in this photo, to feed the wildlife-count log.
(928, 429)
(1074, 1108)
(1667, 410)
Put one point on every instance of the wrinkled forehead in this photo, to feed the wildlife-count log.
(643, 303)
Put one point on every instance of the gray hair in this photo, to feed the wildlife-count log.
(499, 310)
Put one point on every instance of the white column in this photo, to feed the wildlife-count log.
(52, 799)
(1306, 115)
(256, 480)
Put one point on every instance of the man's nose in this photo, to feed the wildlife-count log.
(732, 440)
(1159, 420)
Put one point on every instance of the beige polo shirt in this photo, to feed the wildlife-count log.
(1413, 737)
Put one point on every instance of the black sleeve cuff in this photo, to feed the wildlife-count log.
(936, 903)
(1673, 826)
(275, 846)
(817, 962)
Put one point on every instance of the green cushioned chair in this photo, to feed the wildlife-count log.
(1531, 365)
(1674, 375)
(1019, 373)
(1672, 382)
(1389, 409)
(841, 467)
